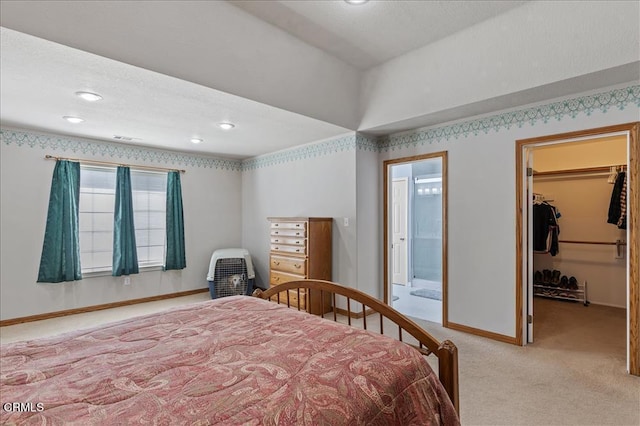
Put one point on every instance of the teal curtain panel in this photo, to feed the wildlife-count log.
(125, 256)
(60, 260)
(175, 256)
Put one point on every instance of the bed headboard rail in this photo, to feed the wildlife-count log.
(340, 295)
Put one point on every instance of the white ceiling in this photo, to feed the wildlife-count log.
(39, 77)
(370, 34)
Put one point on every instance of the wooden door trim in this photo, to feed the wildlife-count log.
(633, 226)
(385, 220)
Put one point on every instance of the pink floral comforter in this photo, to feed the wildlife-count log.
(236, 360)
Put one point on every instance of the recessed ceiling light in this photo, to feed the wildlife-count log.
(74, 120)
(356, 1)
(196, 140)
(88, 96)
(226, 126)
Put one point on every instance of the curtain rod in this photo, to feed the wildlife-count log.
(108, 163)
(603, 169)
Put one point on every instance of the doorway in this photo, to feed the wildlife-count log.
(528, 279)
(415, 236)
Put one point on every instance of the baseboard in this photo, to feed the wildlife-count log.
(93, 308)
(607, 304)
(483, 333)
(354, 314)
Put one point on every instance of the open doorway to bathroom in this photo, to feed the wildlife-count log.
(415, 235)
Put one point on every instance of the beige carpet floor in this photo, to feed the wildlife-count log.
(574, 373)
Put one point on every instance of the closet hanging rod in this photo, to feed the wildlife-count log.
(108, 163)
(586, 170)
(616, 243)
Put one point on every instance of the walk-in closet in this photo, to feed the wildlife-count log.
(579, 241)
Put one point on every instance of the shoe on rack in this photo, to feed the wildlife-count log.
(555, 278)
(546, 276)
(573, 283)
(537, 277)
(564, 282)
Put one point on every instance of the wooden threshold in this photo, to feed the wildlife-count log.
(93, 308)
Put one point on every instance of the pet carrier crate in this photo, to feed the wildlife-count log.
(230, 273)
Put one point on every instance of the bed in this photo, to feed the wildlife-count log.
(235, 360)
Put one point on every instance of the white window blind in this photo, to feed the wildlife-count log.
(97, 200)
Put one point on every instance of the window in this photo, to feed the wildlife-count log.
(97, 199)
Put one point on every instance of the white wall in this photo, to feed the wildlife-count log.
(369, 222)
(211, 201)
(315, 181)
(482, 197)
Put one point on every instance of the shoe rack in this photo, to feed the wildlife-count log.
(550, 285)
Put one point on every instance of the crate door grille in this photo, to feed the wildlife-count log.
(230, 277)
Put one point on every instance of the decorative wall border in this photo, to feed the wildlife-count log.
(367, 143)
(344, 143)
(616, 98)
(113, 150)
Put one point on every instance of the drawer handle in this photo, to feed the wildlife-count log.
(275, 241)
(297, 250)
(276, 232)
(297, 242)
(298, 266)
(276, 263)
(276, 224)
(276, 248)
(298, 225)
(276, 279)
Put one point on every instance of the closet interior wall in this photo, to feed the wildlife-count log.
(582, 199)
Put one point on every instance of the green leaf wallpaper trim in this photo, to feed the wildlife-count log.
(108, 150)
(345, 143)
(569, 108)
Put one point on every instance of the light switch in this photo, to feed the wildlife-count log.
(346, 221)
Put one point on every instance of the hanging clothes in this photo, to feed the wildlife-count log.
(622, 222)
(545, 228)
(618, 204)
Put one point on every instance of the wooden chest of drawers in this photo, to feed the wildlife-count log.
(300, 247)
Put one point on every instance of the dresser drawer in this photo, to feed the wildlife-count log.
(302, 226)
(289, 264)
(284, 248)
(291, 241)
(299, 233)
(278, 277)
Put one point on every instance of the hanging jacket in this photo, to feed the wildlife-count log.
(615, 210)
(545, 229)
